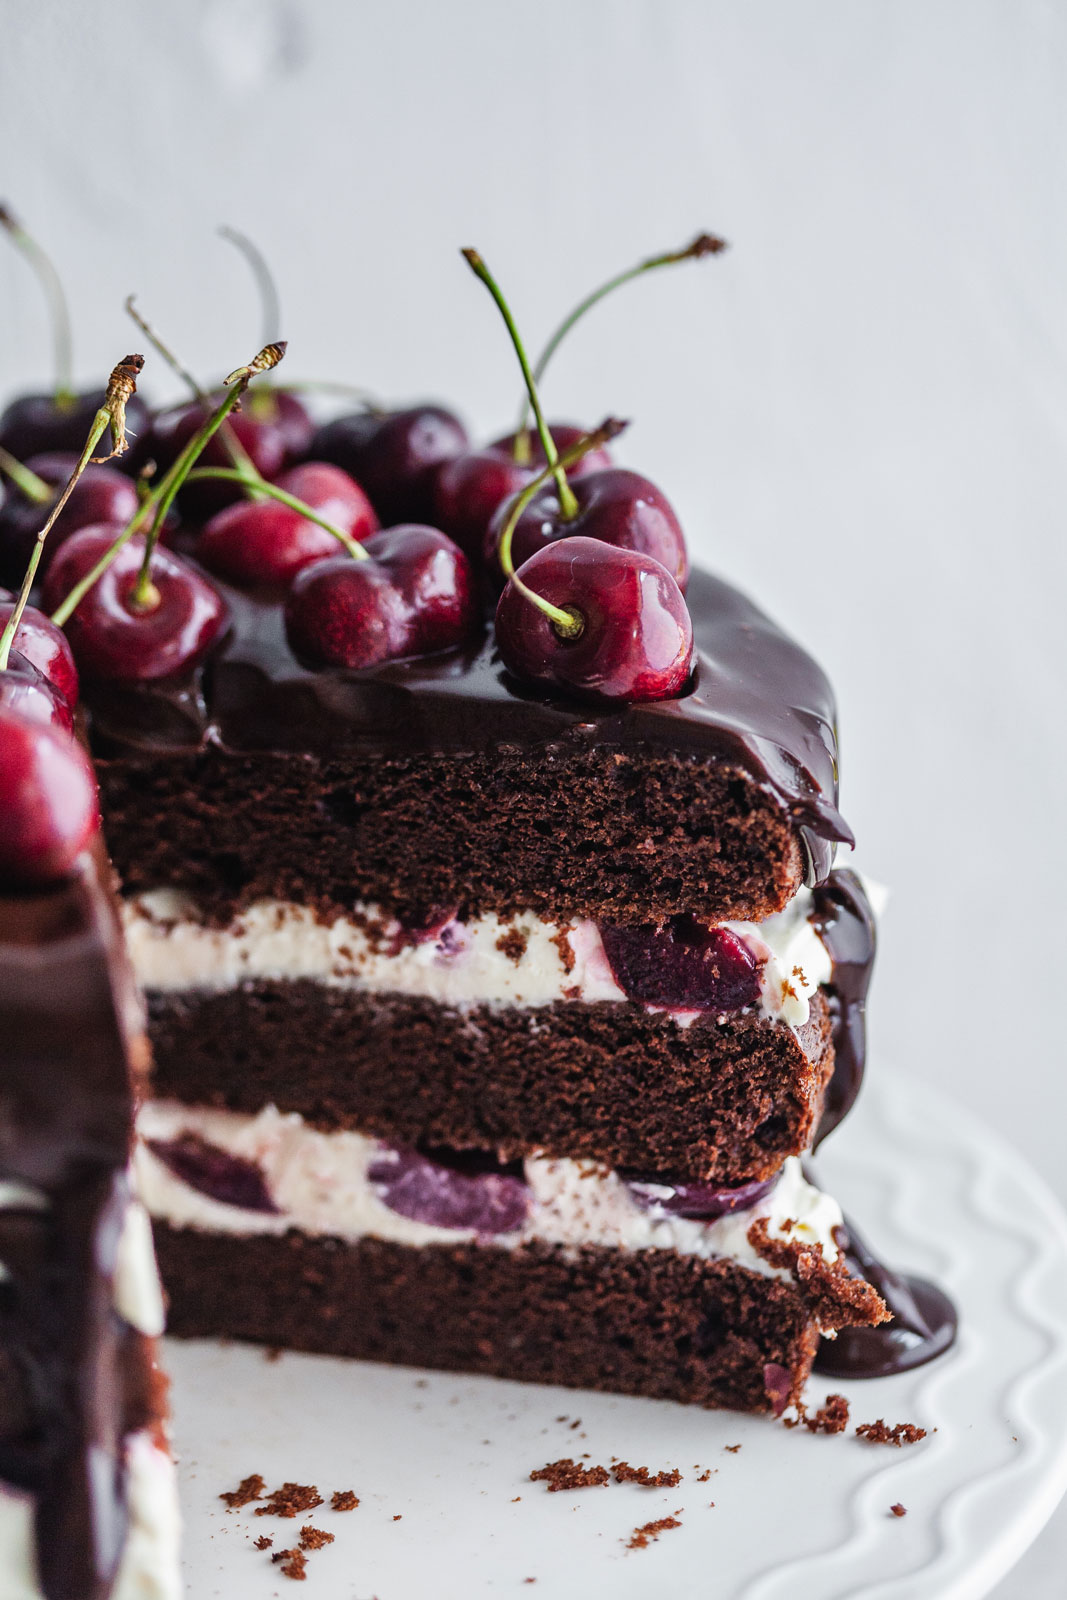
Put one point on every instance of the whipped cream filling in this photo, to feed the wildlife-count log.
(525, 961)
(320, 1184)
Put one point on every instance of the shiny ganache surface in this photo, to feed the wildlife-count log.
(756, 701)
(67, 1359)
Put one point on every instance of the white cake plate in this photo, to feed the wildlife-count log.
(441, 1464)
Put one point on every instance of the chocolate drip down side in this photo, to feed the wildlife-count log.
(68, 1362)
(845, 922)
(924, 1325)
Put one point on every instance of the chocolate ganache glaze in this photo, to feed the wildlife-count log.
(72, 1371)
(757, 701)
(924, 1322)
(844, 921)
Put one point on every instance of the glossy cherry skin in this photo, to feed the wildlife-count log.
(172, 430)
(30, 695)
(263, 542)
(48, 802)
(637, 640)
(33, 423)
(102, 494)
(471, 488)
(683, 965)
(702, 1202)
(618, 506)
(415, 595)
(114, 643)
(44, 645)
(394, 455)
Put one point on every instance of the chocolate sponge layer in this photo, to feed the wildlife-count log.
(647, 1322)
(630, 836)
(722, 1100)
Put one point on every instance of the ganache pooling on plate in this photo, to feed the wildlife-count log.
(925, 1321)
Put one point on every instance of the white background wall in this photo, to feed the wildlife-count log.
(861, 411)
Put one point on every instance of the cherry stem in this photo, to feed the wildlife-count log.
(144, 596)
(568, 624)
(351, 544)
(268, 289)
(112, 414)
(174, 476)
(234, 448)
(705, 244)
(58, 310)
(567, 503)
(25, 479)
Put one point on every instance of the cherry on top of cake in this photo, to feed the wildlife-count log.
(353, 635)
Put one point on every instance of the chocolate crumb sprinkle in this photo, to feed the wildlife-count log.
(293, 1563)
(314, 1538)
(250, 1488)
(648, 1532)
(290, 1500)
(879, 1433)
(343, 1500)
(667, 1479)
(569, 1474)
(898, 1510)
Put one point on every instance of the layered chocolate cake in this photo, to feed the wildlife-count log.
(477, 873)
(488, 1025)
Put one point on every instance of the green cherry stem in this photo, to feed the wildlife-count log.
(173, 478)
(112, 414)
(234, 448)
(58, 310)
(705, 244)
(144, 596)
(271, 490)
(24, 479)
(268, 289)
(568, 504)
(568, 624)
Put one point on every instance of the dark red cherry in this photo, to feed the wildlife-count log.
(452, 1195)
(468, 490)
(415, 595)
(284, 412)
(683, 965)
(102, 494)
(29, 694)
(702, 1202)
(335, 495)
(394, 456)
(617, 506)
(471, 487)
(265, 542)
(110, 639)
(232, 1180)
(35, 423)
(48, 802)
(172, 430)
(636, 641)
(435, 581)
(44, 645)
